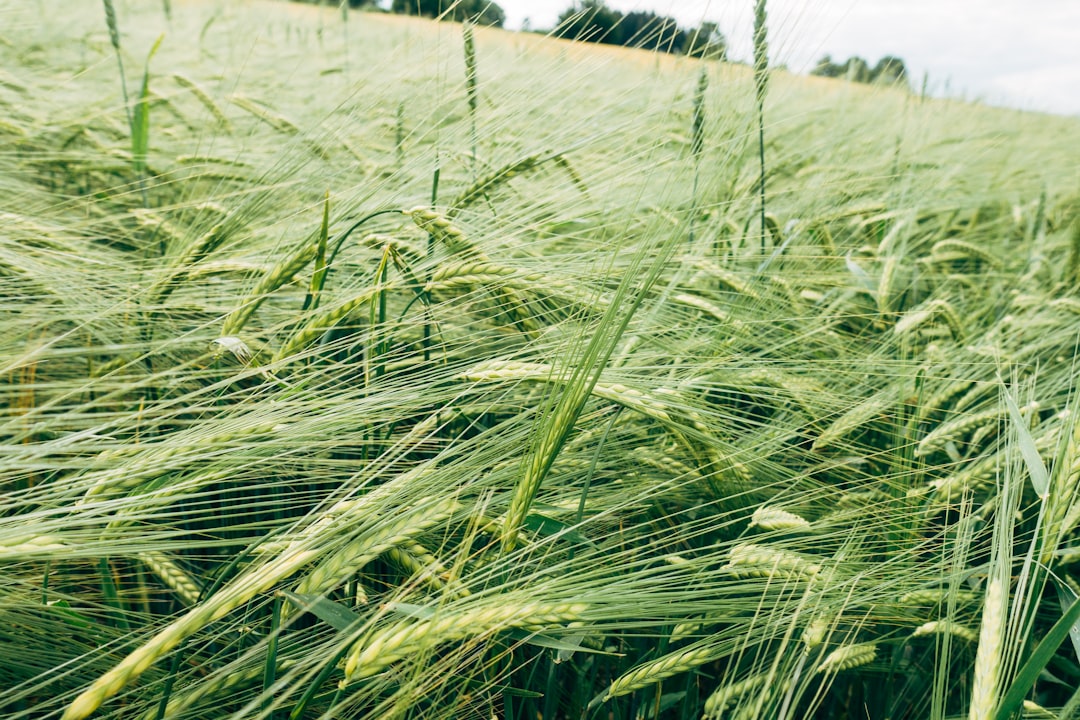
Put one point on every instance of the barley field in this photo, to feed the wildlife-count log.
(361, 366)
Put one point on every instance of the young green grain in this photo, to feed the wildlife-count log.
(984, 692)
(847, 657)
(653, 672)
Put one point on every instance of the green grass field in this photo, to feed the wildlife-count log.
(333, 387)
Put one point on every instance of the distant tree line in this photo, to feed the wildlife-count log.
(889, 70)
(482, 12)
(587, 20)
(593, 21)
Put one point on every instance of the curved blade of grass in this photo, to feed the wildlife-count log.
(270, 670)
(1066, 596)
(1040, 658)
(319, 276)
(333, 614)
(140, 119)
(554, 432)
(1040, 479)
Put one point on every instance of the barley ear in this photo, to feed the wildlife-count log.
(339, 567)
(717, 703)
(846, 657)
(204, 98)
(984, 692)
(114, 29)
(326, 320)
(172, 575)
(114, 39)
(483, 185)
(401, 639)
(445, 232)
(748, 560)
(776, 519)
(219, 682)
(653, 672)
(280, 274)
(941, 627)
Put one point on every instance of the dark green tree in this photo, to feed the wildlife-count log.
(482, 12)
(707, 42)
(857, 70)
(827, 68)
(592, 21)
(890, 70)
(652, 31)
(354, 4)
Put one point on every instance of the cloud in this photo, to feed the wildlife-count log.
(1044, 88)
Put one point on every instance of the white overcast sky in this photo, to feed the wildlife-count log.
(1020, 53)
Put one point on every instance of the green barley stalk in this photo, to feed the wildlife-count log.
(114, 39)
(399, 133)
(471, 91)
(318, 277)
(220, 682)
(343, 7)
(1072, 264)
(761, 84)
(140, 120)
(300, 551)
(562, 412)
(697, 142)
(430, 256)
(214, 608)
